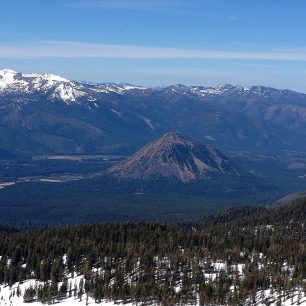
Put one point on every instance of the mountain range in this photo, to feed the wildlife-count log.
(88, 152)
(48, 114)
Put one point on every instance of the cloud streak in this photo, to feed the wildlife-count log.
(68, 49)
(131, 4)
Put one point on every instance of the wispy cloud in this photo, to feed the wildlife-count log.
(204, 8)
(68, 49)
(124, 4)
(232, 18)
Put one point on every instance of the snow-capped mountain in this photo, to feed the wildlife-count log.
(226, 90)
(56, 87)
(52, 85)
(174, 155)
(45, 113)
(10, 79)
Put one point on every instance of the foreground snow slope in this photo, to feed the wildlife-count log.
(8, 298)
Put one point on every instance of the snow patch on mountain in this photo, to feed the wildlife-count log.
(117, 88)
(10, 78)
(217, 90)
(56, 86)
(6, 77)
(148, 122)
(67, 93)
(51, 77)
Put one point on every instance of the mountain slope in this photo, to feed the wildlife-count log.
(47, 114)
(174, 155)
(55, 87)
(261, 262)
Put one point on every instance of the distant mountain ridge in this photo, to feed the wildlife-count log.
(54, 86)
(48, 114)
(174, 155)
(70, 91)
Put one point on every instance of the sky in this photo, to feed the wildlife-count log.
(158, 42)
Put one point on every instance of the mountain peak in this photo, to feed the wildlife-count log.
(173, 155)
(7, 71)
(17, 75)
(173, 137)
(30, 83)
(18, 81)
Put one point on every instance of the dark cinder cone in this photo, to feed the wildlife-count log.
(173, 155)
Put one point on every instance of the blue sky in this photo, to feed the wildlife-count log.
(202, 42)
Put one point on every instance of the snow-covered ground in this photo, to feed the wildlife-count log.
(8, 298)
(266, 297)
(263, 298)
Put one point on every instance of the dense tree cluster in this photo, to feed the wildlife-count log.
(257, 215)
(225, 259)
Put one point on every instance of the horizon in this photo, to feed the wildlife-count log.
(148, 85)
(154, 43)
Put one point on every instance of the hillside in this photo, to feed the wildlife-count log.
(174, 156)
(48, 114)
(164, 264)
